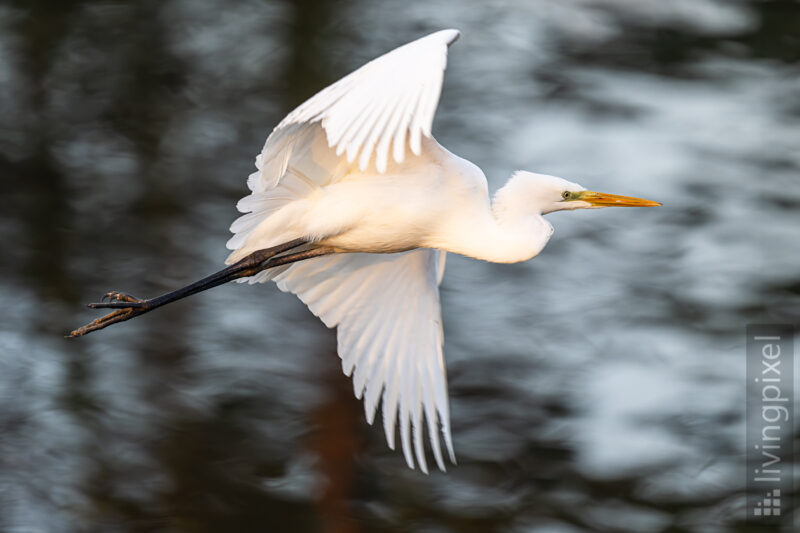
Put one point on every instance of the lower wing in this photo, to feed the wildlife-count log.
(386, 308)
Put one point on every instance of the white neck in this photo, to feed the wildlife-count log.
(504, 233)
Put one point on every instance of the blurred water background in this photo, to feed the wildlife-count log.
(599, 387)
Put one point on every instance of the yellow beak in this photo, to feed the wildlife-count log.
(613, 200)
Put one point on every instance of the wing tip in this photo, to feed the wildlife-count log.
(450, 35)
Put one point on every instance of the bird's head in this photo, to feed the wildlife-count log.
(546, 194)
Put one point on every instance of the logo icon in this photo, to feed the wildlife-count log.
(770, 505)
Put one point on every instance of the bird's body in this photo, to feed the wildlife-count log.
(434, 200)
(354, 180)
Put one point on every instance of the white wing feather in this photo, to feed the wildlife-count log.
(386, 309)
(383, 103)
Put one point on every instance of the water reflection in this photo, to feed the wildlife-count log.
(128, 130)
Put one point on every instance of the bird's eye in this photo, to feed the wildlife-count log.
(565, 195)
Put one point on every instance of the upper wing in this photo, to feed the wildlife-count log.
(386, 308)
(370, 109)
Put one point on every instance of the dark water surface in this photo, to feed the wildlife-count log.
(599, 387)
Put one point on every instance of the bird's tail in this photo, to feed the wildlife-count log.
(273, 209)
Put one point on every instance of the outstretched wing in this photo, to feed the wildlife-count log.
(385, 306)
(386, 309)
(375, 108)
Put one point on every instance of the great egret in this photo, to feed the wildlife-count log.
(352, 208)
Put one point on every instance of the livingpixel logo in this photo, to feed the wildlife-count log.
(770, 423)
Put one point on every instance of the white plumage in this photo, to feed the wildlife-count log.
(379, 104)
(325, 175)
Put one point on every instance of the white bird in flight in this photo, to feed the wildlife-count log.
(353, 207)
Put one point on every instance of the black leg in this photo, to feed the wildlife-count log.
(127, 307)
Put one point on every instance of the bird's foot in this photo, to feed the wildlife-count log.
(125, 307)
(118, 300)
